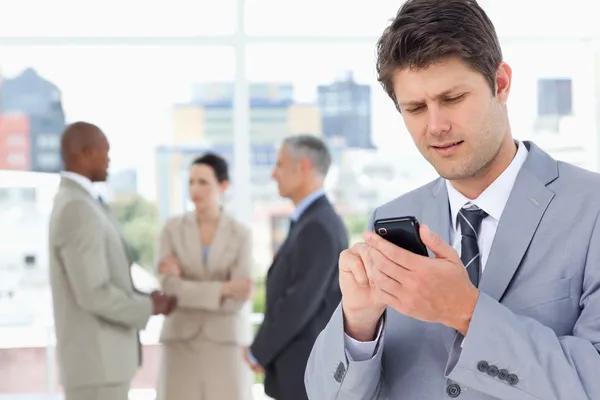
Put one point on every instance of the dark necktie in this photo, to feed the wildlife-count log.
(470, 219)
(102, 202)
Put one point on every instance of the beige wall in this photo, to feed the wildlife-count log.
(304, 118)
(188, 124)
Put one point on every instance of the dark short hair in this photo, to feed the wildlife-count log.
(217, 163)
(428, 31)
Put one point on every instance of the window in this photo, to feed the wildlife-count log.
(16, 140)
(4, 194)
(555, 97)
(16, 160)
(48, 141)
(135, 18)
(48, 160)
(130, 92)
(318, 18)
(28, 195)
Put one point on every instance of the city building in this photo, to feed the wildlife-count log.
(205, 123)
(346, 112)
(30, 96)
(15, 142)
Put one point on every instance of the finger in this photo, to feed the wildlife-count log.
(367, 260)
(394, 253)
(387, 298)
(388, 269)
(350, 262)
(437, 245)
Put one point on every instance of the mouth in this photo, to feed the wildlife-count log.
(447, 145)
(447, 149)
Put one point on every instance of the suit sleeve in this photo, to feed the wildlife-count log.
(312, 264)
(541, 364)
(83, 252)
(204, 295)
(333, 373)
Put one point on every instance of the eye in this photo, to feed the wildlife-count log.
(414, 109)
(455, 99)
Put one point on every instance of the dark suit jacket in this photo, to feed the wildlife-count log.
(302, 293)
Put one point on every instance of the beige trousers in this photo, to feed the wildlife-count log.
(113, 392)
(203, 370)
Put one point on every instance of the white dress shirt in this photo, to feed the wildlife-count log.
(82, 181)
(492, 201)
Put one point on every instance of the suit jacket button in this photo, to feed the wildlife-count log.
(453, 390)
(512, 379)
(339, 373)
(503, 374)
(482, 366)
(492, 371)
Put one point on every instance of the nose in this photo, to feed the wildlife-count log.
(438, 123)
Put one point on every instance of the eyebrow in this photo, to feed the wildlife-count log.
(443, 94)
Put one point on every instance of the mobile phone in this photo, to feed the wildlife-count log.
(403, 232)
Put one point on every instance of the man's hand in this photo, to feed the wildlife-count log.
(362, 309)
(170, 265)
(429, 289)
(162, 303)
(253, 365)
(239, 289)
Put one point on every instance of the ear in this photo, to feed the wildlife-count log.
(503, 82)
(224, 186)
(304, 164)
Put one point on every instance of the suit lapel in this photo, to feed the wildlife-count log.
(105, 209)
(436, 213)
(524, 210)
(116, 227)
(220, 241)
(192, 241)
(318, 202)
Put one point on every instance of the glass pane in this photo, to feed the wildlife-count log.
(113, 18)
(512, 18)
(315, 18)
(132, 93)
(539, 18)
(335, 86)
(329, 91)
(570, 135)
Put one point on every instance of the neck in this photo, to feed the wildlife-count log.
(209, 215)
(471, 188)
(305, 192)
(78, 171)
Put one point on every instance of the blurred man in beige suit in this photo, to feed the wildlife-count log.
(97, 310)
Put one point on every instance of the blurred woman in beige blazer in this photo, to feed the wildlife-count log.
(204, 259)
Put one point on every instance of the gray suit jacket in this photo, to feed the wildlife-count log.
(535, 332)
(97, 311)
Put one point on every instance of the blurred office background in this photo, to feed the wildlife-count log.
(167, 80)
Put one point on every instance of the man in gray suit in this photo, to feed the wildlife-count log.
(507, 306)
(97, 310)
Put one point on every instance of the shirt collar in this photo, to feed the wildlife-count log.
(82, 181)
(494, 198)
(305, 203)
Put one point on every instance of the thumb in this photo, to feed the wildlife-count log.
(434, 242)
